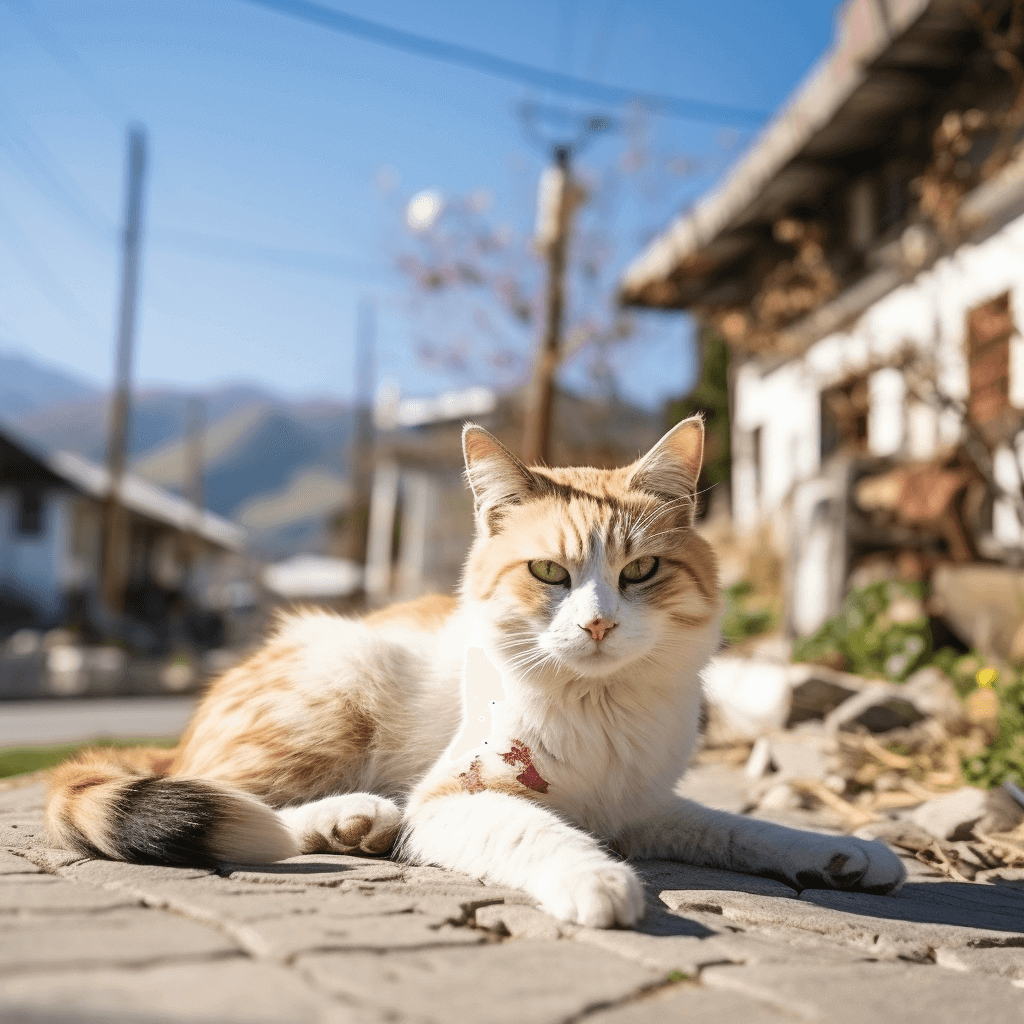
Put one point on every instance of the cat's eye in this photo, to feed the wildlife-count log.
(639, 569)
(548, 572)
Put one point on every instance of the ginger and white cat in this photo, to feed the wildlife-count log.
(599, 603)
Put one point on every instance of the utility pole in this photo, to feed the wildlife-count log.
(195, 431)
(557, 200)
(554, 217)
(114, 553)
(351, 538)
(366, 381)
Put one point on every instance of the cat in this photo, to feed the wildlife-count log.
(597, 600)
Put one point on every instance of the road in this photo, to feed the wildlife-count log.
(39, 722)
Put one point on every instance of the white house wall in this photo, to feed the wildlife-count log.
(34, 566)
(927, 316)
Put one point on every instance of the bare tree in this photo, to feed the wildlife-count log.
(475, 301)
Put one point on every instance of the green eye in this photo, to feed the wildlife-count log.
(548, 572)
(639, 569)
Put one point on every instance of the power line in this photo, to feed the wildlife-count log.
(237, 250)
(502, 67)
(46, 173)
(34, 264)
(66, 58)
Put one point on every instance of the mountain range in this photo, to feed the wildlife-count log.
(276, 466)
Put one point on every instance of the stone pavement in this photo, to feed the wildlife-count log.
(338, 939)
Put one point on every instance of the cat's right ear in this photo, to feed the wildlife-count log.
(496, 477)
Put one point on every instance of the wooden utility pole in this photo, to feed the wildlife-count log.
(114, 552)
(351, 527)
(195, 432)
(561, 197)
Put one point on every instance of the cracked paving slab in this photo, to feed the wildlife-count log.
(528, 982)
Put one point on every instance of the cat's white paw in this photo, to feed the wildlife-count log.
(599, 896)
(344, 824)
(858, 865)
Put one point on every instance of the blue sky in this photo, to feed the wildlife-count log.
(271, 134)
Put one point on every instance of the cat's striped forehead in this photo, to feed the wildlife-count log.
(575, 510)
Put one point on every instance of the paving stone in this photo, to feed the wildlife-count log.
(519, 922)
(528, 982)
(873, 993)
(950, 816)
(846, 918)
(453, 890)
(50, 859)
(694, 1005)
(962, 904)
(12, 864)
(318, 869)
(1006, 961)
(663, 953)
(452, 910)
(18, 836)
(137, 936)
(26, 799)
(43, 894)
(691, 954)
(226, 992)
(281, 938)
(670, 874)
(211, 898)
(121, 873)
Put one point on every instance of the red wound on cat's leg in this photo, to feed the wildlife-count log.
(522, 755)
(471, 780)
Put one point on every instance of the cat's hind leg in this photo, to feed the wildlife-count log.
(694, 834)
(352, 822)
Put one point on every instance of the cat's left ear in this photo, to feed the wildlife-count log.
(671, 468)
(496, 477)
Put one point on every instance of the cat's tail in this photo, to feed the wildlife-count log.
(119, 804)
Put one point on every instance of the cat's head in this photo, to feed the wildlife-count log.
(585, 572)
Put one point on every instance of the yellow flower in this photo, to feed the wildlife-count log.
(986, 677)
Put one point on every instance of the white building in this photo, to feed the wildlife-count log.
(865, 262)
(50, 528)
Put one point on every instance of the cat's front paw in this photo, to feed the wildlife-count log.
(853, 864)
(598, 896)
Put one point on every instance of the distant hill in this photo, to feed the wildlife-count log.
(27, 386)
(257, 451)
(278, 466)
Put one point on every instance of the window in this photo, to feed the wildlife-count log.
(989, 329)
(30, 510)
(844, 418)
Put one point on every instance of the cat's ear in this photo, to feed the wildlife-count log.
(671, 468)
(495, 475)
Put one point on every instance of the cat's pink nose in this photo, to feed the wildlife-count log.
(599, 628)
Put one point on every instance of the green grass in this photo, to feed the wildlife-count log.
(20, 760)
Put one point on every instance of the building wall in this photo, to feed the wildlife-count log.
(777, 417)
(35, 567)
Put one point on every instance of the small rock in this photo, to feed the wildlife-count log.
(879, 708)
(814, 698)
(779, 798)
(1003, 812)
(748, 697)
(932, 692)
(760, 760)
(799, 756)
(953, 816)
